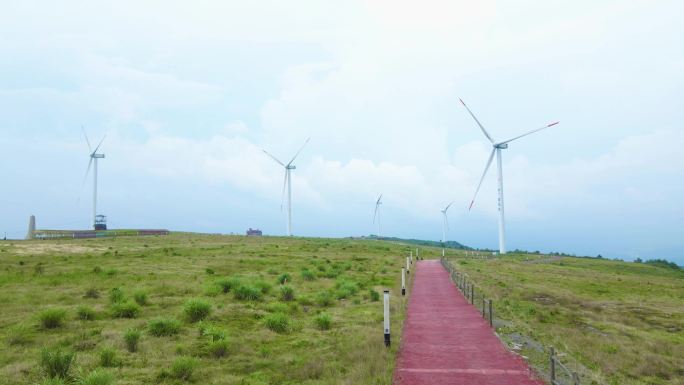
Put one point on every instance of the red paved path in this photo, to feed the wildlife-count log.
(447, 342)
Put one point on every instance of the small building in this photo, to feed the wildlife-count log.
(253, 232)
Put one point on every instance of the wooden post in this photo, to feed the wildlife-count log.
(403, 281)
(386, 316)
(472, 294)
(553, 367)
(491, 322)
(408, 266)
(575, 379)
(484, 301)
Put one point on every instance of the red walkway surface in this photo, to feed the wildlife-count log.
(447, 342)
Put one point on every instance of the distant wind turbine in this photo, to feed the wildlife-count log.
(496, 148)
(376, 214)
(288, 184)
(94, 156)
(445, 225)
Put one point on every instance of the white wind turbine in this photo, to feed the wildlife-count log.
(376, 214)
(445, 225)
(496, 148)
(94, 156)
(287, 184)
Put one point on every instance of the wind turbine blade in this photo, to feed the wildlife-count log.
(489, 163)
(447, 208)
(378, 201)
(86, 138)
(87, 171)
(282, 199)
(99, 144)
(477, 121)
(274, 158)
(300, 150)
(528, 133)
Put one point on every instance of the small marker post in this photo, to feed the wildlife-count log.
(387, 319)
(408, 266)
(417, 257)
(403, 281)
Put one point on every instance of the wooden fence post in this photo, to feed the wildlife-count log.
(491, 323)
(553, 367)
(472, 294)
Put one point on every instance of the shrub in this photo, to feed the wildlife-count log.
(140, 297)
(56, 363)
(374, 295)
(125, 310)
(214, 333)
(228, 284)
(248, 293)
(85, 313)
(218, 348)
(108, 357)
(97, 377)
(308, 275)
(324, 299)
(323, 321)
(116, 295)
(283, 278)
(131, 338)
(159, 327)
(209, 271)
(346, 289)
(52, 318)
(278, 322)
(91, 293)
(183, 367)
(196, 309)
(19, 334)
(287, 293)
(265, 287)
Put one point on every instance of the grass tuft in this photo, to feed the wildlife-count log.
(284, 278)
(247, 293)
(131, 338)
(323, 321)
(163, 327)
(308, 275)
(125, 310)
(116, 295)
(374, 295)
(52, 318)
(287, 293)
(108, 357)
(56, 363)
(278, 322)
(324, 298)
(196, 309)
(228, 284)
(140, 297)
(183, 368)
(91, 293)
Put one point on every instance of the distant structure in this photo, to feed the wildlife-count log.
(82, 234)
(253, 232)
(100, 222)
(32, 227)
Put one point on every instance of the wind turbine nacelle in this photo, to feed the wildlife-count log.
(291, 167)
(98, 156)
(502, 146)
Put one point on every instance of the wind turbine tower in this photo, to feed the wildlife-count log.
(376, 214)
(496, 148)
(287, 184)
(94, 156)
(445, 225)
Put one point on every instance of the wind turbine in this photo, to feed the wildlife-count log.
(287, 184)
(445, 225)
(94, 156)
(376, 214)
(496, 148)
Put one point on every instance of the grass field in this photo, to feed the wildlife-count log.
(198, 308)
(615, 322)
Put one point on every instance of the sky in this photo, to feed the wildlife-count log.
(189, 93)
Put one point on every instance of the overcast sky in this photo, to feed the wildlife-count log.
(189, 93)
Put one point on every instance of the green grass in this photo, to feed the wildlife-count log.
(616, 322)
(237, 346)
(131, 339)
(196, 309)
(52, 318)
